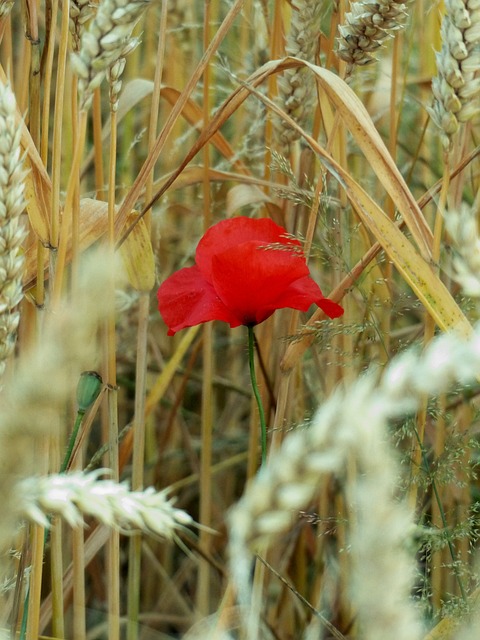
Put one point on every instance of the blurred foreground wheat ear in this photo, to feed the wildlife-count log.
(348, 437)
(45, 377)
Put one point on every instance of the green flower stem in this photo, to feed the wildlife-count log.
(256, 393)
(72, 440)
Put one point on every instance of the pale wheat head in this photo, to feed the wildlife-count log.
(6, 7)
(12, 232)
(462, 227)
(81, 11)
(456, 88)
(296, 85)
(76, 495)
(366, 27)
(115, 71)
(108, 38)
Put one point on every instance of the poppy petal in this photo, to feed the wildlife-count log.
(330, 308)
(186, 299)
(253, 280)
(302, 293)
(233, 232)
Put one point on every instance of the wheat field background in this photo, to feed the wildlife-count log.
(133, 500)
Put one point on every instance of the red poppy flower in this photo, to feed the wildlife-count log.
(245, 269)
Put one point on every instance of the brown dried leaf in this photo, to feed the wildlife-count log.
(137, 251)
(243, 195)
(138, 258)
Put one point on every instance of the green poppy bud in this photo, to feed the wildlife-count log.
(88, 388)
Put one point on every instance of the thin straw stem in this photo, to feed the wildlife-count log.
(135, 546)
(78, 563)
(113, 550)
(78, 567)
(58, 127)
(204, 572)
(68, 210)
(47, 82)
(98, 144)
(33, 594)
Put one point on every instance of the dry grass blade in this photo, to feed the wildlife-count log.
(37, 194)
(360, 125)
(419, 273)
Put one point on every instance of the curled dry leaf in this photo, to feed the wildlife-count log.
(243, 195)
(37, 196)
(136, 251)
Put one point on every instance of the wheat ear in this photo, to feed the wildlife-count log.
(12, 232)
(295, 86)
(366, 27)
(463, 229)
(108, 38)
(81, 11)
(76, 495)
(456, 88)
(6, 7)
